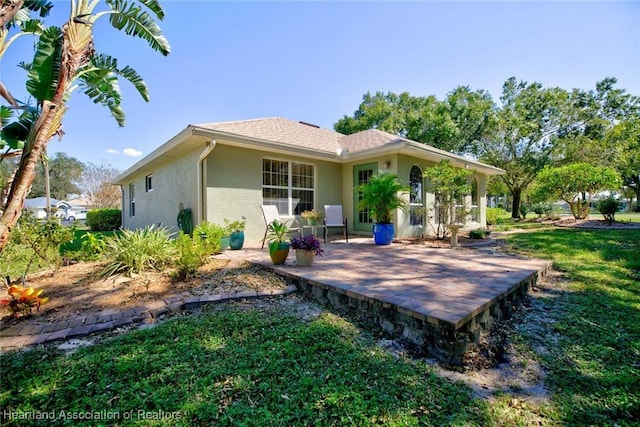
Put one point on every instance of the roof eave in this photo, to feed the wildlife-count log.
(156, 155)
(427, 152)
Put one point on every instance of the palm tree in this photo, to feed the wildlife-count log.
(64, 61)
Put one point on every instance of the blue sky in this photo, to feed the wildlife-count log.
(313, 61)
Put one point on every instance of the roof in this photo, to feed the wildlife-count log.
(283, 131)
(300, 138)
(39, 203)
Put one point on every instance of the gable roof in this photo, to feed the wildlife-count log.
(278, 134)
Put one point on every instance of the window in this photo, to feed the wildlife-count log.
(288, 185)
(148, 183)
(474, 200)
(132, 200)
(415, 198)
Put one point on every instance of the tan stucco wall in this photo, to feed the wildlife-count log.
(173, 183)
(234, 186)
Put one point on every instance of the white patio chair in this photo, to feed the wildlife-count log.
(334, 218)
(269, 214)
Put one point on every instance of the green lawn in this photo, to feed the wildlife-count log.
(242, 364)
(593, 337)
(241, 367)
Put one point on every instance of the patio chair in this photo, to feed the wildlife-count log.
(269, 214)
(334, 218)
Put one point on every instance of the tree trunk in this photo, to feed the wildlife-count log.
(26, 172)
(515, 205)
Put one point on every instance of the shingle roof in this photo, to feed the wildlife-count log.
(281, 130)
(367, 139)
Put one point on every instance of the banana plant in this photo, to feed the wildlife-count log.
(64, 61)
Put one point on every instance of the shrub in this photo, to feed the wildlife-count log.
(134, 251)
(21, 301)
(608, 208)
(43, 238)
(494, 214)
(191, 255)
(539, 209)
(104, 219)
(478, 233)
(524, 210)
(211, 235)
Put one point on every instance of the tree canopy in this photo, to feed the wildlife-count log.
(64, 177)
(570, 182)
(530, 128)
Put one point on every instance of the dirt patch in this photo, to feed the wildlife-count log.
(76, 290)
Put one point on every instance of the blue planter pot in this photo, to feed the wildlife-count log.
(236, 240)
(383, 234)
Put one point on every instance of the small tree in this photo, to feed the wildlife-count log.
(575, 183)
(96, 183)
(448, 184)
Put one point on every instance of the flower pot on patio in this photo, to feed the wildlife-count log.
(236, 240)
(304, 257)
(279, 253)
(383, 234)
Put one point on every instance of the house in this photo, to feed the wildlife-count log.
(228, 169)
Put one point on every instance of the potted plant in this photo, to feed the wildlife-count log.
(307, 247)
(313, 217)
(278, 247)
(235, 229)
(381, 196)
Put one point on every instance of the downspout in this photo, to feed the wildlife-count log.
(201, 208)
(122, 205)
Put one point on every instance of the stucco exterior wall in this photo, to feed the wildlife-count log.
(401, 165)
(234, 186)
(173, 183)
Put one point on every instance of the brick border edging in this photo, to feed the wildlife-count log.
(16, 337)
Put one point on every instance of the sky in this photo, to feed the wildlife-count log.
(314, 61)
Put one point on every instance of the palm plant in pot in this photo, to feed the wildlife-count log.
(381, 196)
(278, 246)
(307, 247)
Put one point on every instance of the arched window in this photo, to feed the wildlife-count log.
(416, 197)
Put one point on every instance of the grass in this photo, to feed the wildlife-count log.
(239, 367)
(75, 244)
(248, 366)
(593, 338)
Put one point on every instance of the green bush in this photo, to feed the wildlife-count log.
(524, 210)
(494, 214)
(479, 233)
(608, 208)
(192, 253)
(210, 235)
(104, 219)
(539, 209)
(43, 238)
(135, 251)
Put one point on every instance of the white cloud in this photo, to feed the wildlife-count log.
(132, 152)
(112, 151)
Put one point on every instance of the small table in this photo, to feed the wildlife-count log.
(313, 229)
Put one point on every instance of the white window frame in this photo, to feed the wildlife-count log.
(148, 183)
(132, 199)
(290, 203)
(419, 203)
